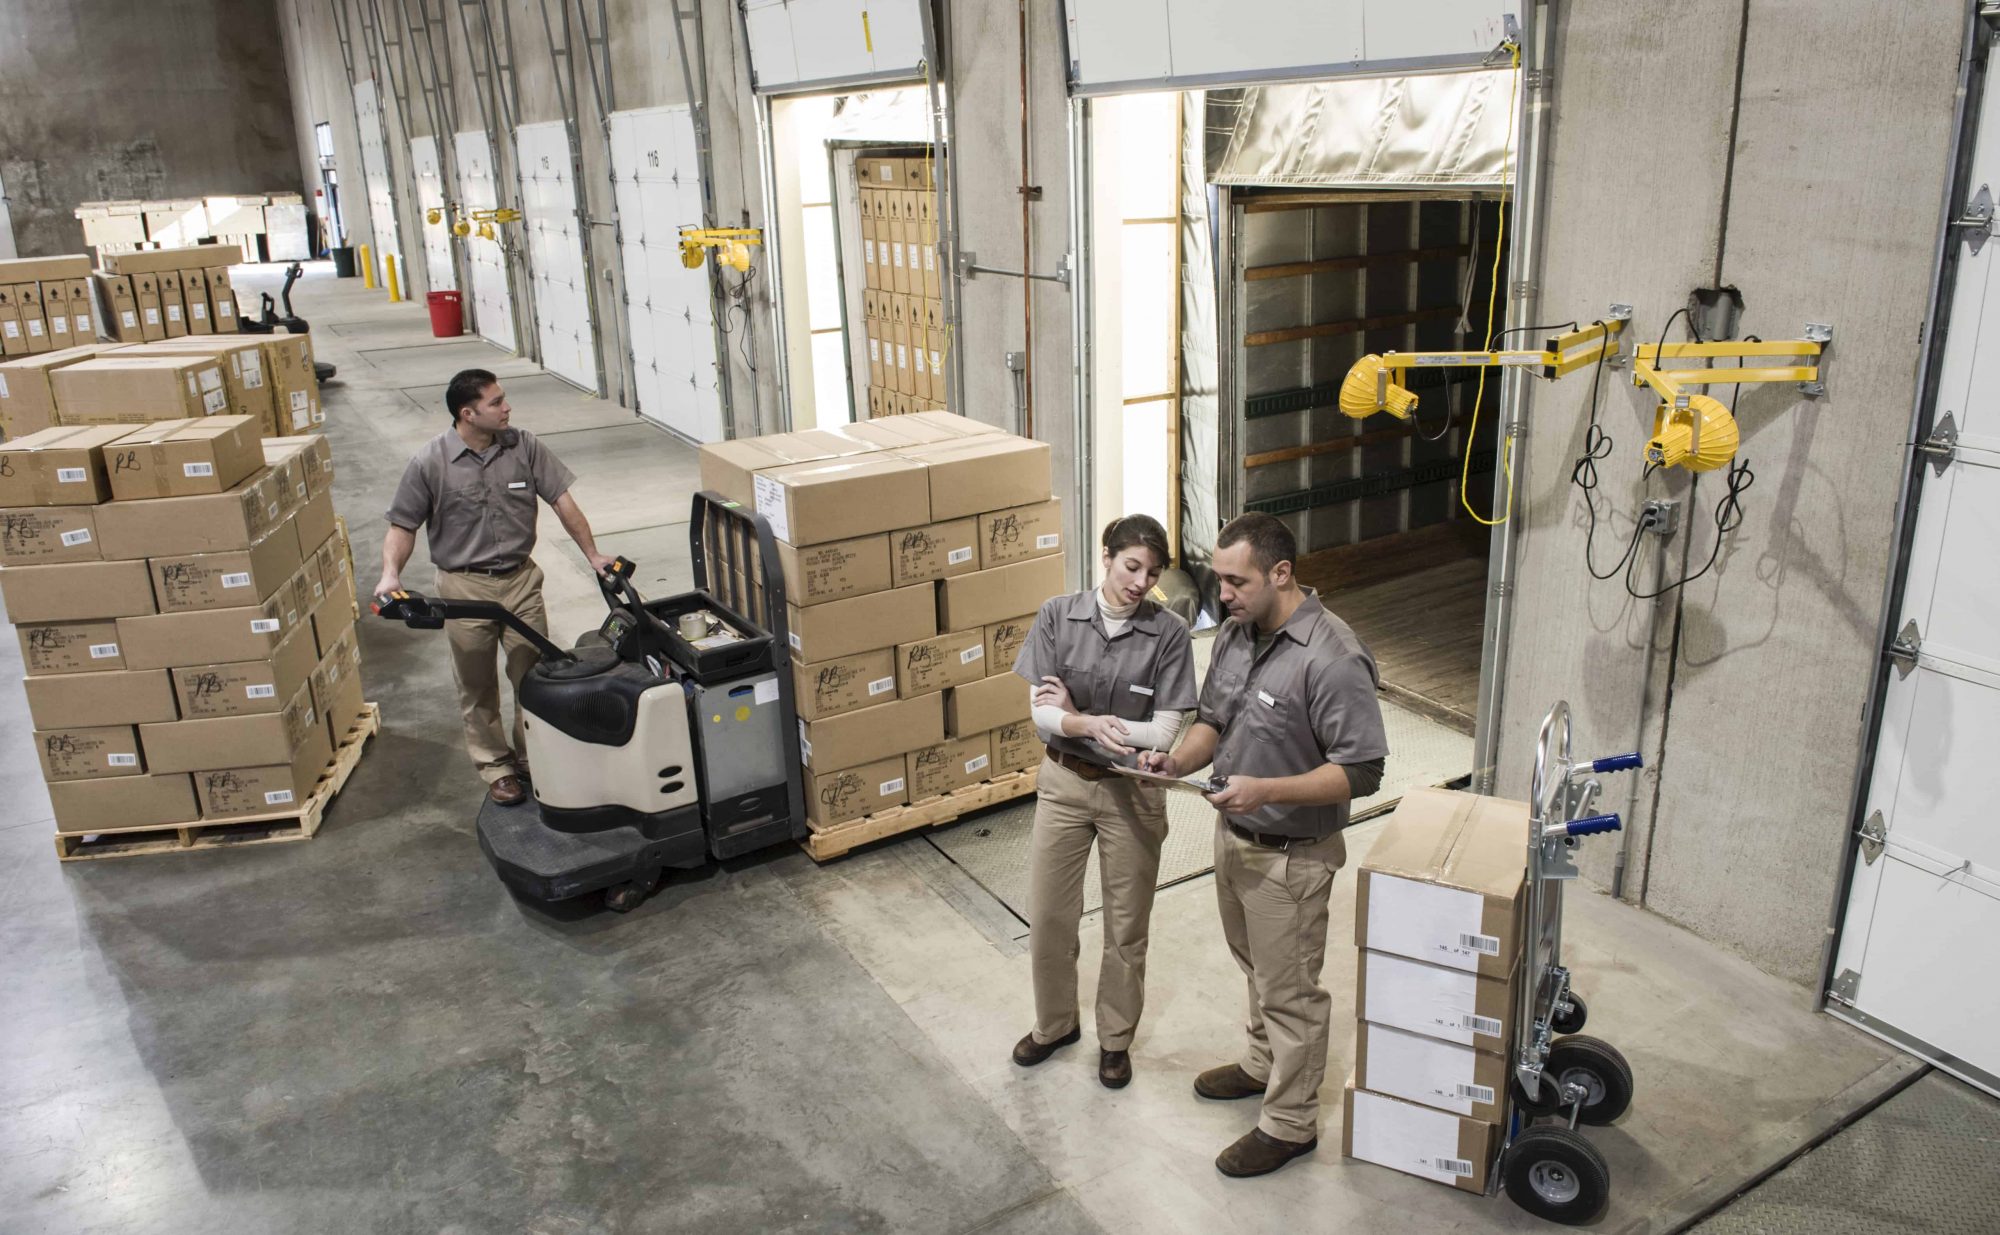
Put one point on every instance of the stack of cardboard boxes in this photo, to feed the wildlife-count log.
(901, 304)
(185, 605)
(159, 294)
(915, 553)
(1438, 921)
(45, 305)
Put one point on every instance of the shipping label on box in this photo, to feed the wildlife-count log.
(990, 703)
(933, 664)
(868, 734)
(861, 623)
(989, 596)
(1016, 747)
(837, 797)
(1020, 533)
(1451, 1004)
(831, 687)
(836, 569)
(1430, 1071)
(1444, 881)
(57, 467)
(74, 754)
(88, 700)
(112, 803)
(934, 551)
(70, 647)
(48, 535)
(1417, 1140)
(76, 591)
(950, 765)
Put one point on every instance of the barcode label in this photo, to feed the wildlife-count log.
(299, 399)
(1488, 1025)
(976, 764)
(1050, 541)
(152, 317)
(277, 797)
(80, 323)
(253, 377)
(103, 651)
(59, 324)
(958, 556)
(34, 329)
(881, 686)
(197, 469)
(976, 652)
(198, 311)
(1480, 943)
(889, 787)
(173, 313)
(1475, 1093)
(266, 691)
(264, 626)
(239, 579)
(1453, 1166)
(793, 637)
(122, 761)
(71, 475)
(215, 402)
(130, 318)
(81, 536)
(222, 307)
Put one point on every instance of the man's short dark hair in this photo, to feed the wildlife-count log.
(1269, 539)
(465, 389)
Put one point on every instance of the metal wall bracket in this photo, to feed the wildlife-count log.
(1822, 334)
(1977, 221)
(1874, 835)
(1905, 648)
(1941, 445)
(1846, 987)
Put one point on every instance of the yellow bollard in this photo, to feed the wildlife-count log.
(395, 288)
(367, 268)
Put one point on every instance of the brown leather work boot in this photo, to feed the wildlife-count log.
(1228, 1083)
(1028, 1052)
(1259, 1153)
(1114, 1069)
(508, 791)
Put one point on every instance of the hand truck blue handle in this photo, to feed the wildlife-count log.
(1619, 763)
(1594, 823)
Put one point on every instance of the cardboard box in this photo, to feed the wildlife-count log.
(316, 517)
(81, 310)
(210, 523)
(837, 797)
(288, 359)
(334, 616)
(282, 788)
(245, 379)
(987, 704)
(728, 468)
(55, 308)
(76, 591)
(1444, 1003)
(194, 287)
(77, 754)
(1004, 639)
(933, 551)
(41, 269)
(90, 700)
(988, 596)
(70, 647)
(121, 308)
(1429, 1071)
(1416, 1140)
(983, 474)
(27, 398)
(47, 535)
(313, 455)
(152, 261)
(861, 624)
(839, 499)
(13, 338)
(249, 687)
(881, 173)
(116, 389)
(182, 458)
(152, 320)
(114, 803)
(332, 558)
(1020, 533)
(869, 734)
(234, 579)
(1016, 747)
(819, 573)
(173, 308)
(222, 305)
(927, 665)
(58, 467)
(831, 687)
(34, 319)
(336, 671)
(206, 636)
(345, 701)
(949, 765)
(264, 740)
(1444, 882)
(905, 380)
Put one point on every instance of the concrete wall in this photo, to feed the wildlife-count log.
(102, 100)
(1812, 182)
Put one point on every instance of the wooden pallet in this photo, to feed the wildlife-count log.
(826, 844)
(238, 830)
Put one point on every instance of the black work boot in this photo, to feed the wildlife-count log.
(1028, 1052)
(1228, 1083)
(1259, 1153)
(1114, 1069)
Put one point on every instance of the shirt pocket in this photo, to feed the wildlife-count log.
(1129, 704)
(514, 509)
(1086, 685)
(463, 507)
(1272, 726)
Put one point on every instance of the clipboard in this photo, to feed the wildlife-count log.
(1186, 784)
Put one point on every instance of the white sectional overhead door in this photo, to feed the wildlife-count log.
(485, 261)
(375, 176)
(430, 196)
(555, 254)
(802, 44)
(655, 170)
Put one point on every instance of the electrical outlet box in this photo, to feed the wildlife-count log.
(1661, 516)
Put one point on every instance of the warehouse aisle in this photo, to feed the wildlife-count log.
(365, 1033)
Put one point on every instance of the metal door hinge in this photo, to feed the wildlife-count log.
(1905, 647)
(1538, 79)
(1874, 835)
(1977, 221)
(1845, 987)
(1941, 445)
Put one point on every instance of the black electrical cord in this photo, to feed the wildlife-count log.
(1728, 511)
(1596, 448)
(1501, 334)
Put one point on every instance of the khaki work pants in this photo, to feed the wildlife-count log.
(1274, 915)
(1128, 822)
(475, 649)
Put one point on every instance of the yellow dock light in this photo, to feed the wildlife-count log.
(1696, 431)
(1367, 390)
(1378, 383)
(731, 245)
(1700, 436)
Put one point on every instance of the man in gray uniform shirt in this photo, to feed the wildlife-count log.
(474, 488)
(1288, 717)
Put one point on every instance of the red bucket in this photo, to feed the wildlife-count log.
(447, 314)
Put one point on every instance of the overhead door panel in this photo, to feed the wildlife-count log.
(555, 254)
(375, 176)
(804, 44)
(671, 313)
(430, 196)
(485, 261)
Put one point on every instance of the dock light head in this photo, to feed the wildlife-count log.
(1369, 389)
(1700, 437)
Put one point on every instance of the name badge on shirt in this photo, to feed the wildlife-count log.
(1142, 690)
(1264, 697)
(517, 484)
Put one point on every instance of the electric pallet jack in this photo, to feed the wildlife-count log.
(662, 739)
(268, 322)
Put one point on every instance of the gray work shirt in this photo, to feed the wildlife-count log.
(1148, 668)
(1306, 700)
(478, 507)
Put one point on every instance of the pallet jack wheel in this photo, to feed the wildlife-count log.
(625, 897)
(1556, 1175)
(1572, 1022)
(1602, 1072)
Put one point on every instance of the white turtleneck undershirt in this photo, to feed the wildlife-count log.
(1155, 734)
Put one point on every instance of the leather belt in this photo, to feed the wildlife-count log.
(1266, 840)
(491, 572)
(1082, 767)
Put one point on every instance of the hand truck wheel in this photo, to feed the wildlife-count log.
(1573, 1020)
(1547, 1099)
(1556, 1175)
(1599, 1069)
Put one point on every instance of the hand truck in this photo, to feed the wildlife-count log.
(1549, 1169)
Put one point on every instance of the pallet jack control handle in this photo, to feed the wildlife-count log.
(1585, 826)
(1619, 763)
(420, 612)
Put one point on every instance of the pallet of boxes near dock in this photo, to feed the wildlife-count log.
(915, 552)
(184, 600)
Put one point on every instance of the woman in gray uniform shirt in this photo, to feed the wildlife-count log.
(1111, 673)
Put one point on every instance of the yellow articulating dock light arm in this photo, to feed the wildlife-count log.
(731, 245)
(1379, 383)
(1696, 431)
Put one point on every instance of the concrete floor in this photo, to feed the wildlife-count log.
(365, 1033)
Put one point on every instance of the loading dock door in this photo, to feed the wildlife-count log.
(375, 176)
(800, 45)
(1923, 908)
(485, 261)
(563, 321)
(430, 196)
(671, 313)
